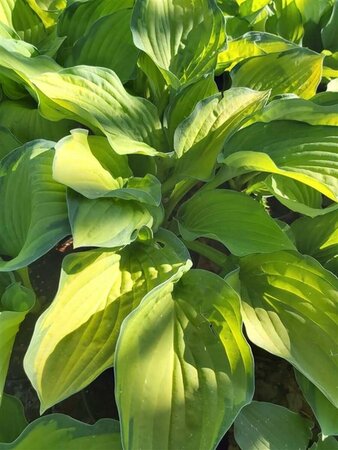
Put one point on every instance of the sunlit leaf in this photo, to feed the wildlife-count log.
(191, 369)
(97, 290)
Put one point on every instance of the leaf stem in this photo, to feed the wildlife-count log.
(208, 252)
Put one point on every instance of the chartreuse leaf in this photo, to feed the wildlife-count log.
(287, 20)
(23, 119)
(90, 166)
(8, 142)
(12, 418)
(329, 443)
(200, 137)
(191, 370)
(106, 222)
(326, 414)
(33, 211)
(74, 340)
(289, 306)
(305, 153)
(251, 44)
(15, 303)
(265, 426)
(299, 72)
(58, 431)
(318, 237)
(182, 38)
(95, 47)
(185, 101)
(234, 219)
(18, 15)
(96, 97)
(297, 196)
(307, 111)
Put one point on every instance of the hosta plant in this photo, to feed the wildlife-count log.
(182, 159)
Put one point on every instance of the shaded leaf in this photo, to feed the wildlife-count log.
(234, 219)
(12, 418)
(289, 305)
(33, 210)
(265, 426)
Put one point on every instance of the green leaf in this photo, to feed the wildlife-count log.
(89, 165)
(106, 222)
(326, 414)
(182, 38)
(287, 20)
(74, 339)
(199, 139)
(329, 32)
(33, 210)
(234, 219)
(15, 303)
(251, 44)
(329, 443)
(289, 305)
(183, 368)
(185, 101)
(24, 121)
(265, 426)
(18, 15)
(95, 47)
(318, 237)
(96, 97)
(299, 109)
(8, 142)
(297, 150)
(12, 418)
(297, 196)
(297, 70)
(57, 431)
(78, 17)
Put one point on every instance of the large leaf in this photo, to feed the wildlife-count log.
(183, 368)
(181, 37)
(23, 119)
(326, 414)
(249, 45)
(74, 340)
(265, 426)
(96, 97)
(318, 237)
(57, 431)
(89, 165)
(106, 222)
(299, 109)
(306, 153)
(108, 43)
(234, 219)
(297, 70)
(289, 305)
(200, 137)
(12, 418)
(15, 303)
(33, 210)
